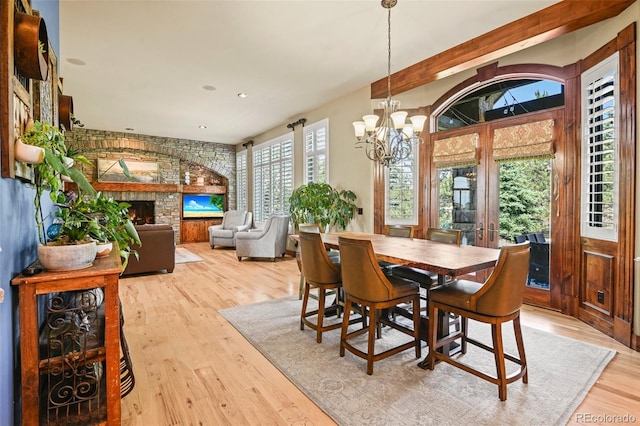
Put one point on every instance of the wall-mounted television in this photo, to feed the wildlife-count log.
(202, 206)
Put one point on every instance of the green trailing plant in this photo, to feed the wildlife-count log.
(48, 174)
(323, 204)
(83, 215)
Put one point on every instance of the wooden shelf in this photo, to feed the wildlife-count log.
(154, 187)
(135, 187)
(203, 189)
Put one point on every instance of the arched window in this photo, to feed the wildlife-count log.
(500, 100)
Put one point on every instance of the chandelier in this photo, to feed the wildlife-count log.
(391, 141)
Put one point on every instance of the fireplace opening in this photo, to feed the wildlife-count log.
(142, 212)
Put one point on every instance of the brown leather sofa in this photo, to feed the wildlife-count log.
(158, 251)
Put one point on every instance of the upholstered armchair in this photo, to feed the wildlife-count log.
(269, 242)
(233, 221)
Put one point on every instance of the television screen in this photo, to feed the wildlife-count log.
(198, 206)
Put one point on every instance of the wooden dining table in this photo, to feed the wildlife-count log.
(447, 260)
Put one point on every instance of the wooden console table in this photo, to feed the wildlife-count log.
(76, 342)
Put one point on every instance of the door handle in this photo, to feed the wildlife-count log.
(480, 231)
(491, 231)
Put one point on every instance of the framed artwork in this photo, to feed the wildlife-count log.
(109, 170)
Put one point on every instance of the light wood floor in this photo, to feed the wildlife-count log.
(194, 368)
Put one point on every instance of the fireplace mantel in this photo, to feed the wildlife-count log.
(158, 187)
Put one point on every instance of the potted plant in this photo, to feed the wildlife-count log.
(98, 218)
(323, 204)
(83, 217)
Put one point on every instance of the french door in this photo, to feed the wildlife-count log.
(499, 197)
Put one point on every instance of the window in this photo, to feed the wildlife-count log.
(241, 180)
(402, 191)
(316, 145)
(600, 138)
(272, 176)
(500, 100)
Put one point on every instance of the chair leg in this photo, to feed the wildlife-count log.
(519, 342)
(321, 300)
(432, 336)
(498, 352)
(373, 326)
(301, 287)
(345, 324)
(464, 324)
(416, 325)
(305, 299)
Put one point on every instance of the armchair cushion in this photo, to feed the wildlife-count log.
(233, 221)
(270, 242)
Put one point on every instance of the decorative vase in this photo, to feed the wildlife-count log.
(31, 46)
(65, 111)
(67, 257)
(28, 153)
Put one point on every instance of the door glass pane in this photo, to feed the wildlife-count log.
(457, 201)
(525, 212)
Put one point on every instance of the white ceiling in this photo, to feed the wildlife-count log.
(146, 61)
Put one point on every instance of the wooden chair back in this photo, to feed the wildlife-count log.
(404, 231)
(450, 236)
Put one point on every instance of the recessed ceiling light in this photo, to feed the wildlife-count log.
(76, 61)
(128, 128)
(202, 126)
(209, 87)
(242, 95)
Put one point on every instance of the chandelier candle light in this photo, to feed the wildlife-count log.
(392, 141)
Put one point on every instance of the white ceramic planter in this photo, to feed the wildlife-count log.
(103, 249)
(68, 257)
(28, 153)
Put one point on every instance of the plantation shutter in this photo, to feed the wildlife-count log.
(272, 177)
(524, 141)
(315, 152)
(600, 146)
(241, 180)
(456, 151)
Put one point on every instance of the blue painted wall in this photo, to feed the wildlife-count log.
(18, 243)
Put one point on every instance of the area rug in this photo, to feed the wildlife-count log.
(185, 256)
(561, 372)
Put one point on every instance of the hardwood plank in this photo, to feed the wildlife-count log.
(193, 367)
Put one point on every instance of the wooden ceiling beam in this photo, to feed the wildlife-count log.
(549, 23)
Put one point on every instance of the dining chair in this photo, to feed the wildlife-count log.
(496, 301)
(402, 231)
(428, 278)
(321, 273)
(366, 285)
(334, 255)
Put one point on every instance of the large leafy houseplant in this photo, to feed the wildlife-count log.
(48, 174)
(83, 216)
(323, 204)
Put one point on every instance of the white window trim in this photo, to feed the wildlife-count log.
(413, 220)
(611, 64)
(311, 128)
